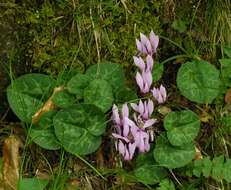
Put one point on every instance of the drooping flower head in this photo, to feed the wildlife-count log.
(160, 94)
(144, 77)
(125, 143)
(147, 46)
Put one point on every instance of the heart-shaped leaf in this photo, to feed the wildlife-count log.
(150, 173)
(79, 127)
(110, 72)
(99, 93)
(171, 156)
(63, 99)
(199, 81)
(78, 83)
(182, 127)
(225, 71)
(26, 93)
(125, 94)
(45, 138)
(32, 184)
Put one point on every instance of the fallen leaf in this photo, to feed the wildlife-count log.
(198, 155)
(11, 162)
(48, 106)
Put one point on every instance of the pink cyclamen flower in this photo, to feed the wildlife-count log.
(139, 62)
(144, 120)
(144, 81)
(160, 94)
(141, 137)
(146, 45)
(144, 109)
(125, 141)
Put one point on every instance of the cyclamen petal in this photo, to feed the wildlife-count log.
(131, 150)
(139, 45)
(140, 81)
(150, 107)
(121, 148)
(149, 123)
(143, 38)
(115, 115)
(149, 62)
(163, 91)
(159, 94)
(141, 107)
(125, 111)
(135, 107)
(139, 62)
(154, 39)
(147, 77)
(120, 137)
(148, 47)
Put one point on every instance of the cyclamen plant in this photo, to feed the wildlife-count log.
(137, 133)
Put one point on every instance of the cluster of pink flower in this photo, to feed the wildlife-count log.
(138, 133)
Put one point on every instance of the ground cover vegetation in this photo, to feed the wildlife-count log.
(115, 94)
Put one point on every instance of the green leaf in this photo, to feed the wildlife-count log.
(79, 127)
(227, 51)
(225, 71)
(125, 94)
(197, 170)
(32, 184)
(110, 72)
(179, 25)
(23, 105)
(145, 158)
(63, 99)
(45, 138)
(182, 127)
(171, 156)
(150, 174)
(99, 93)
(26, 93)
(46, 120)
(227, 170)
(157, 71)
(199, 81)
(218, 167)
(207, 167)
(78, 83)
(166, 184)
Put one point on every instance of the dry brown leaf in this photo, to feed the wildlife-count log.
(198, 155)
(11, 162)
(48, 106)
(228, 96)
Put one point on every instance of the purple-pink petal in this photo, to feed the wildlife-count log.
(115, 115)
(154, 39)
(139, 45)
(139, 81)
(139, 62)
(143, 38)
(149, 62)
(149, 123)
(131, 149)
(125, 111)
(150, 107)
(121, 147)
(117, 136)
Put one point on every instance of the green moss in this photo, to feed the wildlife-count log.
(60, 34)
